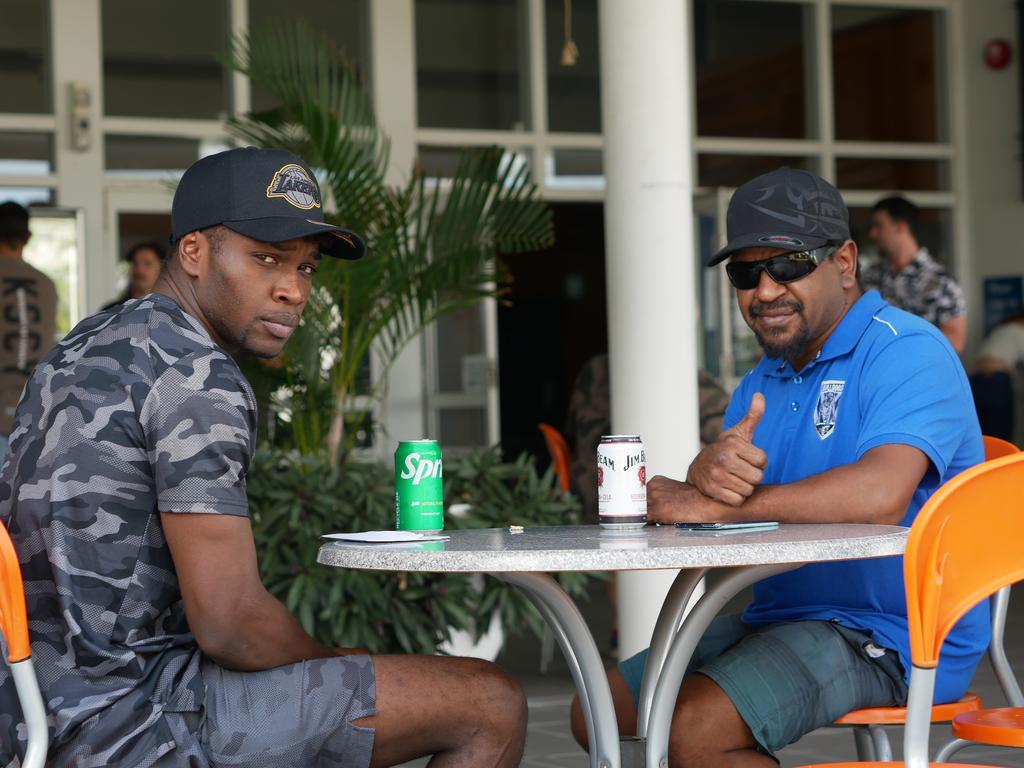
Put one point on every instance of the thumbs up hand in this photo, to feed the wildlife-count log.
(730, 468)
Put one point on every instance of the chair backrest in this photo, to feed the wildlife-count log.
(14, 625)
(13, 616)
(996, 447)
(559, 450)
(963, 547)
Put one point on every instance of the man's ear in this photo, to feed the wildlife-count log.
(846, 259)
(192, 253)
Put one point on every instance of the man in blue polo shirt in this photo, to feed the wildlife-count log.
(857, 413)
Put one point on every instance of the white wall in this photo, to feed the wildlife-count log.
(995, 162)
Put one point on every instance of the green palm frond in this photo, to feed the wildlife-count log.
(432, 247)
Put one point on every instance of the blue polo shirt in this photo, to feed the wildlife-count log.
(883, 377)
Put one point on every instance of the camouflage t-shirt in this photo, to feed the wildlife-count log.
(923, 288)
(136, 411)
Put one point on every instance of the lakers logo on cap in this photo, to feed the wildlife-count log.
(294, 184)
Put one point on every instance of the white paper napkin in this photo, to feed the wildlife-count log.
(386, 537)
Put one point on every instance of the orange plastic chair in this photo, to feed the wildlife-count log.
(1004, 726)
(872, 740)
(976, 511)
(14, 625)
(559, 450)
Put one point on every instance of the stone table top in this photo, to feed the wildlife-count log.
(592, 548)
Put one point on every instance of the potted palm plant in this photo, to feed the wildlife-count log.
(432, 250)
(432, 247)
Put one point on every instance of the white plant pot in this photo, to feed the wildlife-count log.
(489, 646)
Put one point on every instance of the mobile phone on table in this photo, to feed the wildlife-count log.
(746, 524)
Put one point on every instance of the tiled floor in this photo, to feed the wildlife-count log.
(549, 744)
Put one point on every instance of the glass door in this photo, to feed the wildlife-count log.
(728, 348)
(56, 250)
(462, 380)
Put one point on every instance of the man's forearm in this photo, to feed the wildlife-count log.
(841, 495)
(261, 634)
(876, 489)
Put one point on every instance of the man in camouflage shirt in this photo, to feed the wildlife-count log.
(155, 643)
(908, 277)
(590, 417)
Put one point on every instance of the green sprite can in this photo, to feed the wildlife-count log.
(419, 487)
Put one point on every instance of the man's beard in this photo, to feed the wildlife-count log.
(790, 349)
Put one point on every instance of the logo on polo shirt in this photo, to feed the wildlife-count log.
(294, 184)
(827, 407)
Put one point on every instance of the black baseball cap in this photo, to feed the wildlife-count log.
(269, 195)
(786, 208)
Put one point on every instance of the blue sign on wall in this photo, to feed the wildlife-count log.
(1004, 296)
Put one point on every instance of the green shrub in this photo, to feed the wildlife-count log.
(297, 497)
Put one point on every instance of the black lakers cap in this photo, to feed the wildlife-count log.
(786, 208)
(269, 195)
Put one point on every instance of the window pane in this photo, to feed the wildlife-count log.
(342, 22)
(888, 173)
(460, 346)
(889, 82)
(26, 154)
(439, 162)
(754, 62)
(24, 57)
(150, 153)
(578, 162)
(574, 91)
(53, 250)
(27, 195)
(442, 162)
(935, 232)
(161, 59)
(469, 64)
(463, 427)
(734, 170)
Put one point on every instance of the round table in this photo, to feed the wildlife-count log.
(526, 558)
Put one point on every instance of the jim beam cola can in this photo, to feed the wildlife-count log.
(419, 487)
(621, 482)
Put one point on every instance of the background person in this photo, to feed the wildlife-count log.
(857, 412)
(589, 418)
(155, 642)
(908, 277)
(28, 314)
(145, 260)
(997, 378)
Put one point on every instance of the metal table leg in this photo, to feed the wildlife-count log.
(664, 633)
(580, 650)
(671, 677)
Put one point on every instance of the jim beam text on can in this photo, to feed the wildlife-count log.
(621, 482)
(419, 486)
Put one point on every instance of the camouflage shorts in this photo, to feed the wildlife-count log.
(296, 715)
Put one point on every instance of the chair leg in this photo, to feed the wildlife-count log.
(865, 747)
(955, 745)
(880, 741)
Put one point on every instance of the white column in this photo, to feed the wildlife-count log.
(393, 79)
(75, 32)
(652, 298)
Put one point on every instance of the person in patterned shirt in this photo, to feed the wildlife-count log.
(156, 644)
(908, 277)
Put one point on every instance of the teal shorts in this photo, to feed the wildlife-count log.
(785, 680)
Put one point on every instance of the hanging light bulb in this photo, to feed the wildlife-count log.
(570, 53)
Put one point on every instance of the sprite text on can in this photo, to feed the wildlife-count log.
(419, 486)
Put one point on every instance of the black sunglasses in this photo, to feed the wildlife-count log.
(784, 268)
